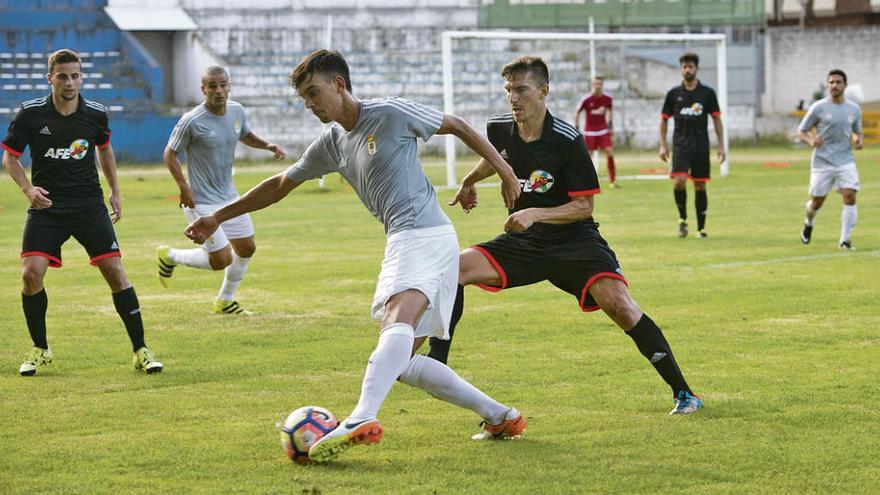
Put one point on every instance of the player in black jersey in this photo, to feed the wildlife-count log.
(65, 133)
(550, 233)
(690, 104)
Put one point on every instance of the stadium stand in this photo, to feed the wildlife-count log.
(119, 73)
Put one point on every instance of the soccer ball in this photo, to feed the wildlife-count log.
(303, 428)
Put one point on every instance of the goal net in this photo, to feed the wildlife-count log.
(638, 68)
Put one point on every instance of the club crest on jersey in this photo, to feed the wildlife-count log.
(696, 110)
(371, 144)
(540, 181)
(236, 126)
(77, 150)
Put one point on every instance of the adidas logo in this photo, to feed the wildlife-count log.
(45, 131)
(115, 245)
(503, 153)
(658, 356)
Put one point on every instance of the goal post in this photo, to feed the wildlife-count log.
(448, 37)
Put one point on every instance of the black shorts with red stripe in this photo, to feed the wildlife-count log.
(571, 257)
(47, 229)
(692, 163)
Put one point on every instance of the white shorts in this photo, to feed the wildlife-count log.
(236, 228)
(425, 260)
(842, 177)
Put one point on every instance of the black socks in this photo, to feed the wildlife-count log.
(651, 343)
(439, 347)
(681, 197)
(129, 310)
(35, 314)
(702, 203)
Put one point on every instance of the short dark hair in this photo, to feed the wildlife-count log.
(838, 72)
(214, 69)
(689, 57)
(324, 62)
(599, 78)
(534, 66)
(63, 56)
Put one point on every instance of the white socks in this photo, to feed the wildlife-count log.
(442, 382)
(195, 258)
(232, 279)
(811, 213)
(848, 218)
(387, 362)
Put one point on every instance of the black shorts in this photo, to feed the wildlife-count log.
(693, 164)
(573, 265)
(46, 230)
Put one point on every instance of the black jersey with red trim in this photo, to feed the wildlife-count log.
(62, 148)
(691, 110)
(551, 170)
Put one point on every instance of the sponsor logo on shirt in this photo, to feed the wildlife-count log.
(695, 110)
(540, 181)
(77, 150)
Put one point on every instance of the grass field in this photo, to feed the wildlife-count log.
(780, 339)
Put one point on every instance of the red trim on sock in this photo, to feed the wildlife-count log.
(53, 261)
(591, 281)
(494, 262)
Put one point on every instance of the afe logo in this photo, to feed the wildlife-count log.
(77, 150)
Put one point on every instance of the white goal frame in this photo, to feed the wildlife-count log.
(720, 41)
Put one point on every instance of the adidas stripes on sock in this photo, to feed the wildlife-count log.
(129, 310)
(651, 343)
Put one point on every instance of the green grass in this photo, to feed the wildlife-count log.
(780, 340)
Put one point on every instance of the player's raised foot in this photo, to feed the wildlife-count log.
(222, 306)
(682, 228)
(807, 234)
(702, 234)
(512, 426)
(144, 360)
(686, 403)
(166, 266)
(846, 246)
(36, 358)
(345, 436)
(614, 185)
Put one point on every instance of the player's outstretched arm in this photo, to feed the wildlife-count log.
(107, 161)
(510, 188)
(259, 143)
(268, 192)
(466, 196)
(37, 196)
(173, 164)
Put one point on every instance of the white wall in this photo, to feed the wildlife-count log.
(191, 57)
(797, 61)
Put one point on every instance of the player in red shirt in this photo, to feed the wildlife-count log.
(598, 128)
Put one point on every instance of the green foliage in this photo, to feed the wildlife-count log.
(779, 339)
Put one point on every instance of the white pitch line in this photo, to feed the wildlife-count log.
(735, 264)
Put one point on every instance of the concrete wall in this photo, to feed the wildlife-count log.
(797, 62)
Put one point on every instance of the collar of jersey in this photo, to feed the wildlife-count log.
(546, 131)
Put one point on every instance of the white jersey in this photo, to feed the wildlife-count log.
(379, 158)
(835, 123)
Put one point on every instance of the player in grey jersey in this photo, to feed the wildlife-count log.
(372, 143)
(836, 121)
(208, 134)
